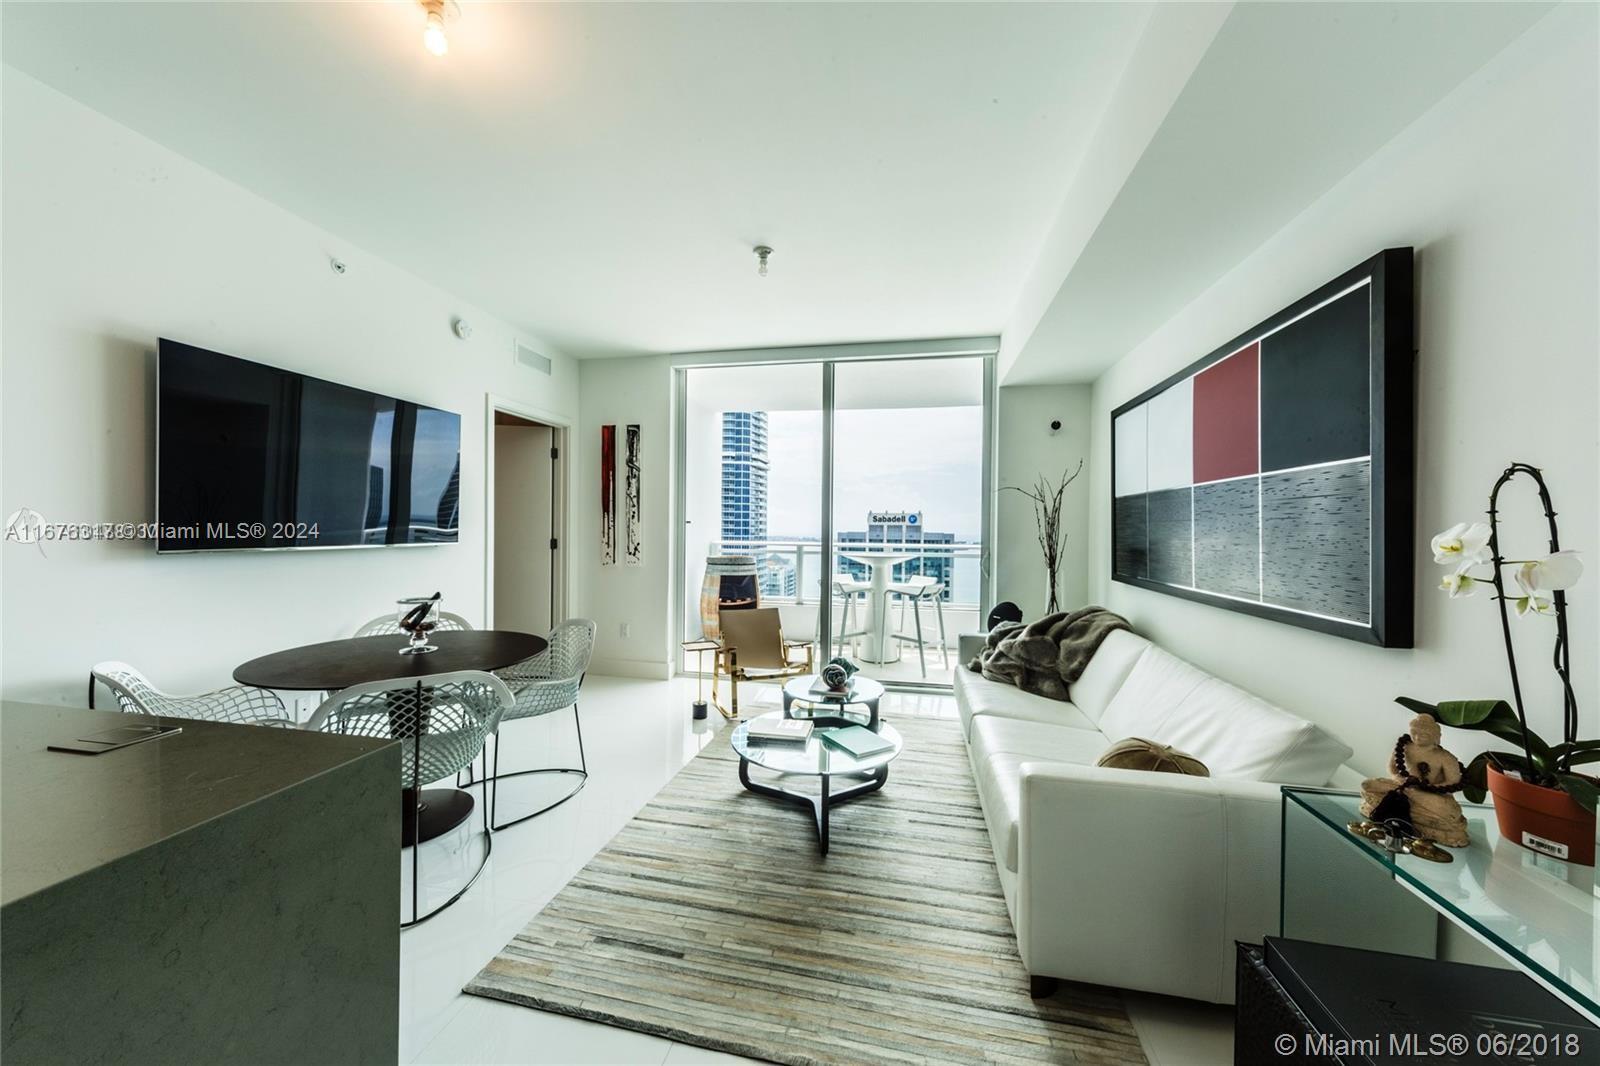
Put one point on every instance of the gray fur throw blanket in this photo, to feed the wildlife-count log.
(1046, 656)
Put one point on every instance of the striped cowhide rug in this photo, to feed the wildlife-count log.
(710, 919)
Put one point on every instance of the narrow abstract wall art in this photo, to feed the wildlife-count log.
(633, 529)
(1274, 476)
(608, 495)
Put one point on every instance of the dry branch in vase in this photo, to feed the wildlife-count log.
(1047, 500)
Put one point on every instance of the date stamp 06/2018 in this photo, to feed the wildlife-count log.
(1451, 1047)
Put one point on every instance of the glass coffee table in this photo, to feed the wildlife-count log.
(858, 703)
(815, 758)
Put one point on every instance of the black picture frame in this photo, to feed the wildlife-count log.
(1392, 433)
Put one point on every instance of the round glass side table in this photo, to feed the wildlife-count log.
(805, 697)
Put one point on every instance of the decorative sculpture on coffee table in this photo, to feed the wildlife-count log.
(1421, 786)
(836, 675)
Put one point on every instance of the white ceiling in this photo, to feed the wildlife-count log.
(1287, 100)
(1069, 175)
(597, 174)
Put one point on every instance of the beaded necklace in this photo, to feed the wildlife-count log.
(1417, 782)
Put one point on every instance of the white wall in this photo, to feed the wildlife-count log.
(1027, 448)
(111, 241)
(1497, 189)
(619, 392)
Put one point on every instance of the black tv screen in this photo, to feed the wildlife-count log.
(251, 456)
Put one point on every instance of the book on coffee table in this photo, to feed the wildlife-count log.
(794, 729)
(858, 740)
(820, 687)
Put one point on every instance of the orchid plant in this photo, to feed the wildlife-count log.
(1471, 551)
(1466, 545)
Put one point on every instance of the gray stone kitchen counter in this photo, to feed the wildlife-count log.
(228, 893)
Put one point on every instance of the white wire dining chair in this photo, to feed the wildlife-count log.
(387, 624)
(442, 722)
(543, 684)
(237, 704)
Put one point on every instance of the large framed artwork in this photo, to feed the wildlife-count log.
(632, 520)
(608, 495)
(1274, 476)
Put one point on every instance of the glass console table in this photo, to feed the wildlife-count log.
(1532, 913)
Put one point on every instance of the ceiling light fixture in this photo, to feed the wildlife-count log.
(433, 35)
(762, 251)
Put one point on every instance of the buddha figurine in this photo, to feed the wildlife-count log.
(1421, 786)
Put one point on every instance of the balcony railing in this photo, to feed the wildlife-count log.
(959, 562)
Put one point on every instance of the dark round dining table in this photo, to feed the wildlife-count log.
(338, 664)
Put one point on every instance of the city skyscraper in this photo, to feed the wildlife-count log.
(888, 530)
(744, 499)
(746, 470)
(744, 477)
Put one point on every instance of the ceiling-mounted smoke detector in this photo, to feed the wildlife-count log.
(762, 251)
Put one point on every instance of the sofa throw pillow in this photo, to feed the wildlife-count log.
(1137, 753)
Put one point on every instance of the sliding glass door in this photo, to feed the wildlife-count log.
(849, 495)
(908, 455)
(752, 489)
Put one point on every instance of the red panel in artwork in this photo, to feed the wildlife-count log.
(1226, 417)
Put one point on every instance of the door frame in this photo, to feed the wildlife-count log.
(829, 356)
(561, 520)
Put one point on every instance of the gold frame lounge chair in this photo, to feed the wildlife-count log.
(753, 648)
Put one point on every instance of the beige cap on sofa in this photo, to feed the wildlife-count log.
(1136, 753)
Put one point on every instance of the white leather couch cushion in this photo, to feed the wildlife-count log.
(1106, 672)
(976, 696)
(1242, 736)
(994, 735)
(1237, 735)
(999, 748)
(1001, 788)
(1156, 685)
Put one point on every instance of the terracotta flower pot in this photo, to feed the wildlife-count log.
(1545, 820)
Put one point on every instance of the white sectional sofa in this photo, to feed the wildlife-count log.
(1128, 878)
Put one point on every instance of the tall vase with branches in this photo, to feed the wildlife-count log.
(1048, 497)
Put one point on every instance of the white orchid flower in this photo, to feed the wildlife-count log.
(1551, 573)
(1532, 601)
(1460, 583)
(1462, 543)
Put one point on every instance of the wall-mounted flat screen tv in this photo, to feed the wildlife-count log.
(250, 456)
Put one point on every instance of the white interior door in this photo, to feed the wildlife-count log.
(524, 525)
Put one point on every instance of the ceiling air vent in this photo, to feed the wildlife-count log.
(531, 359)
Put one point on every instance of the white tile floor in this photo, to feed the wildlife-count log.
(638, 734)
(1181, 1032)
